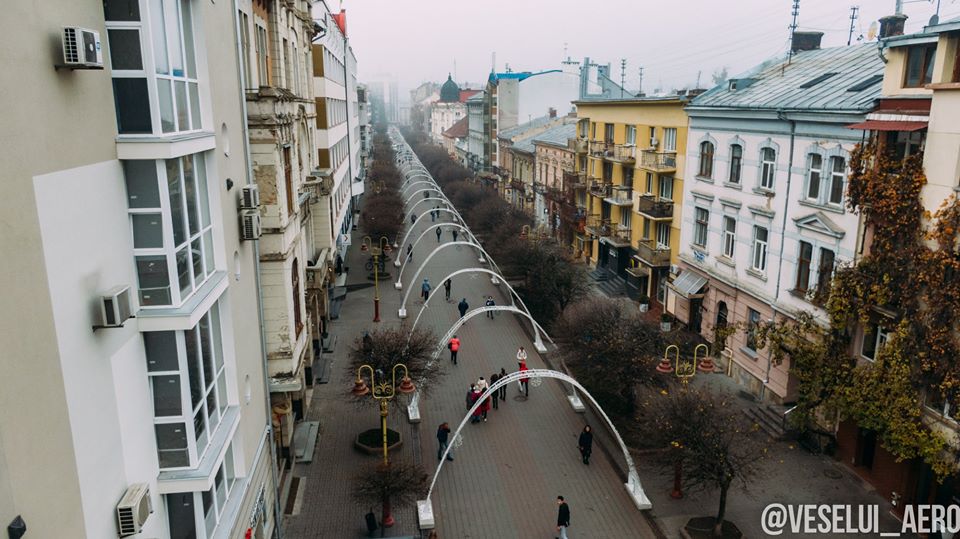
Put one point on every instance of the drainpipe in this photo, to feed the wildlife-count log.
(781, 115)
(277, 515)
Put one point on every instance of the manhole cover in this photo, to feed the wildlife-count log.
(832, 474)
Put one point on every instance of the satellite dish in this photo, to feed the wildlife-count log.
(872, 31)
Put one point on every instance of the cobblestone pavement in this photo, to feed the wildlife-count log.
(505, 478)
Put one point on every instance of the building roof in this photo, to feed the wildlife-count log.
(517, 130)
(832, 79)
(519, 75)
(449, 92)
(557, 136)
(475, 97)
(466, 94)
(459, 129)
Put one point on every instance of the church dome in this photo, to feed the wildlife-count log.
(449, 92)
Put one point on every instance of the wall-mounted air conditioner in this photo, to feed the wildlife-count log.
(654, 142)
(250, 197)
(133, 509)
(250, 225)
(115, 307)
(81, 48)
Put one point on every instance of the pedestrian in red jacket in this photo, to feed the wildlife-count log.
(524, 382)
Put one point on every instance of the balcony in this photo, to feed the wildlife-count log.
(653, 255)
(578, 145)
(574, 180)
(619, 153)
(620, 196)
(596, 226)
(620, 236)
(600, 189)
(658, 161)
(654, 207)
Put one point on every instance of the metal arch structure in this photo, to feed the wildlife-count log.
(537, 329)
(417, 174)
(428, 182)
(402, 313)
(425, 190)
(406, 236)
(513, 293)
(396, 263)
(633, 486)
(435, 199)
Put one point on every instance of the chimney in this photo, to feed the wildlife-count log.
(805, 41)
(552, 112)
(892, 25)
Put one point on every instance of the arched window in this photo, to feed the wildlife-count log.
(295, 279)
(706, 159)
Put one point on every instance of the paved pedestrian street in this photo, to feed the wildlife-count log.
(507, 475)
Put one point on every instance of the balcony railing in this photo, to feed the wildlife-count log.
(620, 196)
(574, 180)
(652, 254)
(622, 153)
(600, 188)
(578, 145)
(655, 207)
(621, 236)
(659, 161)
(598, 226)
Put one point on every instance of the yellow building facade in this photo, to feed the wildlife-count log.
(630, 159)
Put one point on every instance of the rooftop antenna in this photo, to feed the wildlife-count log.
(493, 62)
(640, 85)
(698, 78)
(795, 11)
(936, 15)
(853, 19)
(623, 75)
(565, 55)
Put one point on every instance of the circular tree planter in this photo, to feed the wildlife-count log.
(371, 441)
(702, 528)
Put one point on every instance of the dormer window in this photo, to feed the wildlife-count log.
(919, 69)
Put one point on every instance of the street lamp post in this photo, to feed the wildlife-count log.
(684, 370)
(384, 391)
(383, 246)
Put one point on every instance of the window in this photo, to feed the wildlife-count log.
(706, 159)
(666, 187)
(701, 223)
(803, 267)
(625, 218)
(669, 139)
(919, 70)
(838, 173)
(874, 337)
(753, 320)
(729, 236)
(825, 271)
(813, 178)
(649, 183)
(646, 228)
(607, 171)
(186, 374)
(760, 236)
(608, 133)
(182, 506)
(263, 56)
(768, 167)
(169, 199)
(582, 128)
(663, 235)
(593, 131)
(903, 144)
(736, 163)
(631, 135)
(295, 282)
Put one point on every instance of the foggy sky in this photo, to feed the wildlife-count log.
(418, 40)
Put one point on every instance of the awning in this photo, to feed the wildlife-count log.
(688, 284)
(887, 125)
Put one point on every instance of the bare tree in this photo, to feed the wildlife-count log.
(719, 76)
(397, 484)
(386, 347)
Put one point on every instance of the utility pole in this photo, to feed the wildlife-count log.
(640, 85)
(793, 26)
(853, 19)
(623, 75)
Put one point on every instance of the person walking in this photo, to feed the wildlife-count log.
(455, 233)
(525, 381)
(446, 289)
(443, 435)
(490, 303)
(484, 406)
(413, 218)
(439, 231)
(482, 384)
(425, 290)
(503, 389)
(521, 355)
(436, 211)
(474, 397)
(563, 517)
(496, 394)
(462, 307)
(410, 252)
(454, 346)
(433, 216)
(585, 443)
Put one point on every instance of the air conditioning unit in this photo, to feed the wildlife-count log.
(654, 142)
(133, 509)
(81, 48)
(250, 225)
(674, 269)
(114, 307)
(250, 197)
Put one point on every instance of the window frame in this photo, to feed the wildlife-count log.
(701, 226)
(669, 139)
(663, 233)
(729, 236)
(760, 249)
(927, 62)
(804, 263)
(814, 178)
(768, 169)
(880, 336)
(735, 175)
(707, 152)
(753, 321)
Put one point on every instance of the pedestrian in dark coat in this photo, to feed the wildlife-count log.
(439, 231)
(563, 517)
(462, 307)
(446, 288)
(489, 303)
(455, 233)
(585, 443)
(503, 389)
(413, 218)
(425, 290)
(496, 394)
(478, 412)
(443, 435)
(410, 252)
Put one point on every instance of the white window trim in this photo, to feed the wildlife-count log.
(759, 245)
(701, 227)
(729, 237)
(772, 167)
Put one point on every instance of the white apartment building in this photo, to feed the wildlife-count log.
(128, 178)
(277, 61)
(764, 220)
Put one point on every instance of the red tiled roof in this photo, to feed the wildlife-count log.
(465, 94)
(459, 129)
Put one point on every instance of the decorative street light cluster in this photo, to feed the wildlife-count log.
(382, 247)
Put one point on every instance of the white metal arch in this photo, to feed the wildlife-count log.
(406, 236)
(416, 276)
(418, 174)
(399, 284)
(513, 293)
(633, 486)
(427, 190)
(537, 340)
(434, 199)
(429, 182)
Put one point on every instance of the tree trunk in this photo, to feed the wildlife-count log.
(718, 526)
(387, 517)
